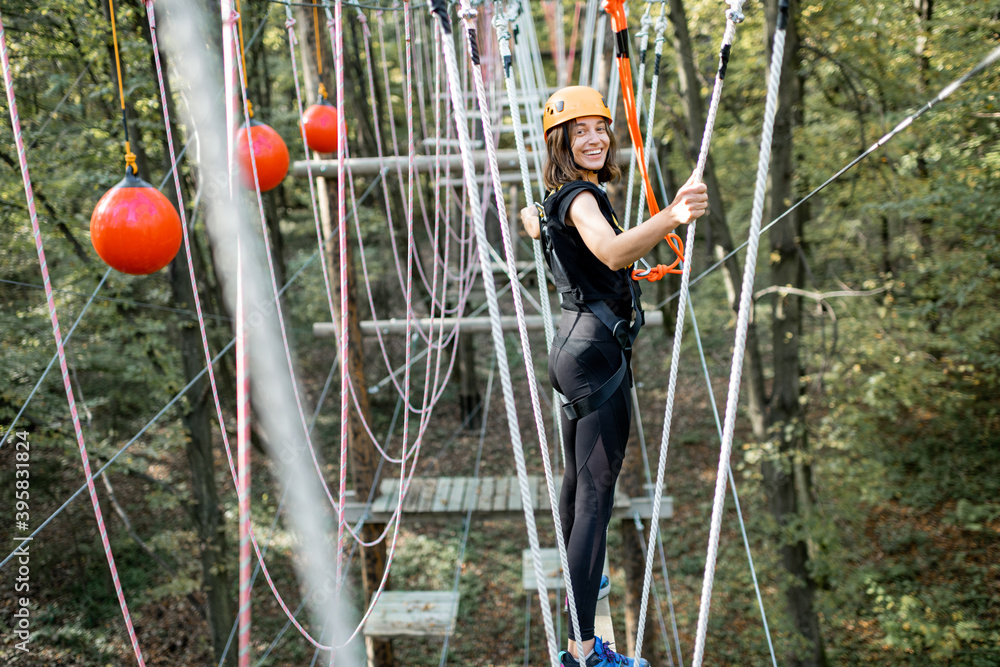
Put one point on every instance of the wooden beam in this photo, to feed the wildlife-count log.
(369, 166)
(478, 324)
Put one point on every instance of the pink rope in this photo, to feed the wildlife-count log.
(50, 300)
(243, 457)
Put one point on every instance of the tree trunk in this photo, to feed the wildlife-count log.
(786, 480)
(205, 510)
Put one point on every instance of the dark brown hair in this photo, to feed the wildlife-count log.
(561, 168)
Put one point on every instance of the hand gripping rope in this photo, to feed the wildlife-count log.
(746, 296)
(50, 300)
(619, 23)
(734, 15)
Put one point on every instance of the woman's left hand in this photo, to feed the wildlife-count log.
(529, 220)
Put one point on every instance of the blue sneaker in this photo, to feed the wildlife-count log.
(603, 656)
(601, 594)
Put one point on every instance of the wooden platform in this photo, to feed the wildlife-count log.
(413, 613)
(490, 498)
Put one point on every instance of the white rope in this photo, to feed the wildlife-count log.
(733, 16)
(732, 484)
(742, 324)
(472, 192)
(519, 310)
(661, 28)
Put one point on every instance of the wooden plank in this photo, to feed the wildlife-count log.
(413, 613)
(514, 503)
(472, 491)
(487, 486)
(602, 621)
(441, 494)
(550, 568)
(500, 494)
(388, 486)
(644, 506)
(458, 490)
(428, 485)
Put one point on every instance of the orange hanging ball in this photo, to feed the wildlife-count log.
(269, 152)
(134, 228)
(320, 125)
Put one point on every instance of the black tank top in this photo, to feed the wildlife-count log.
(579, 275)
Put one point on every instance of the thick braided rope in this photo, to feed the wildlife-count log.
(472, 192)
(661, 28)
(732, 485)
(50, 300)
(503, 39)
(469, 16)
(742, 324)
(643, 36)
(733, 16)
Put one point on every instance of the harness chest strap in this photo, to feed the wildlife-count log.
(620, 329)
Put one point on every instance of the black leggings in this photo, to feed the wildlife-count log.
(584, 355)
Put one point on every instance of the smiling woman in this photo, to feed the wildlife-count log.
(590, 254)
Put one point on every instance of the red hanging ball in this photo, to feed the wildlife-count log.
(134, 228)
(269, 152)
(320, 124)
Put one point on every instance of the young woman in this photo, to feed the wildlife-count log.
(590, 257)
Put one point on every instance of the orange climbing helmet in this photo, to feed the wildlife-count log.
(573, 102)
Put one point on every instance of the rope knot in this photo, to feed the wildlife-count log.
(467, 14)
(322, 90)
(130, 160)
(735, 12)
(289, 22)
(233, 18)
(661, 28)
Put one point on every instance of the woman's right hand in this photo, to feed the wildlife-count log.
(690, 203)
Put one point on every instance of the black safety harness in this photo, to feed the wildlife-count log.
(620, 329)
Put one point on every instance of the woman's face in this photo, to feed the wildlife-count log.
(589, 141)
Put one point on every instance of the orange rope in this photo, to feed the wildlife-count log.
(243, 55)
(129, 155)
(319, 51)
(619, 24)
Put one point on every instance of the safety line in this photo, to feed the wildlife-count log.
(742, 325)
(732, 484)
(733, 16)
(85, 460)
(111, 299)
(439, 9)
(468, 513)
(55, 357)
(946, 92)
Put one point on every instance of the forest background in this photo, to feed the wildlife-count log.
(868, 446)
